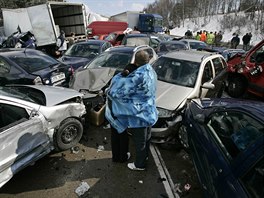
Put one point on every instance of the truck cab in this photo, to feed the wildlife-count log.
(246, 73)
(150, 23)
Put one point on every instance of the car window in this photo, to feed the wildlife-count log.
(253, 180)
(88, 50)
(175, 71)
(10, 115)
(218, 65)
(197, 45)
(236, 130)
(208, 72)
(34, 63)
(4, 67)
(258, 55)
(113, 60)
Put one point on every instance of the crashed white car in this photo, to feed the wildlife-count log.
(35, 120)
(182, 76)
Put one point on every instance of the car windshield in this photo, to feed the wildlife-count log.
(86, 51)
(176, 71)
(197, 45)
(136, 41)
(166, 47)
(113, 60)
(33, 63)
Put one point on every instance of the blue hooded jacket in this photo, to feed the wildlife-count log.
(131, 99)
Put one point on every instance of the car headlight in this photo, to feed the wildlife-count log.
(46, 81)
(165, 113)
(37, 81)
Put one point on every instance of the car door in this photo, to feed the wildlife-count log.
(207, 77)
(226, 150)
(220, 77)
(10, 74)
(22, 139)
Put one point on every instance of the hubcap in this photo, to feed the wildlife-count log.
(69, 134)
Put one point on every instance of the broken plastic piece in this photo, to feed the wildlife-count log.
(82, 188)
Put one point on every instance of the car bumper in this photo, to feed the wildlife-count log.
(165, 134)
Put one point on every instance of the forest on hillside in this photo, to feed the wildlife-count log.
(174, 12)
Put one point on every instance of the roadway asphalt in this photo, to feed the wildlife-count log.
(58, 175)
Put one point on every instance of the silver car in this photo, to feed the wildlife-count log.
(34, 120)
(182, 76)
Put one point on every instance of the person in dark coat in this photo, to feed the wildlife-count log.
(246, 39)
(235, 41)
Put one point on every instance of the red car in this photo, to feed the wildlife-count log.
(246, 73)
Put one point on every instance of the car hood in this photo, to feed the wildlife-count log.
(92, 79)
(53, 95)
(75, 62)
(170, 96)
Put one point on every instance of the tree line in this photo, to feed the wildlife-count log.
(176, 11)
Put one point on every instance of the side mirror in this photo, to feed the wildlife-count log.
(34, 113)
(208, 85)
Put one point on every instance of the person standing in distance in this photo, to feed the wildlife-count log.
(131, 105)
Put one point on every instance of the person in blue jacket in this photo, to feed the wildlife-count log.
(131, 107)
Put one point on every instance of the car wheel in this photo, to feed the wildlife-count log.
(183, 138)
(68, 134)
(236, 87)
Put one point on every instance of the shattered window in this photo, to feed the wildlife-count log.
(11, 115)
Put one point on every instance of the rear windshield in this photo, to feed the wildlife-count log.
(33, 63)
(113, 60)
(24, 93)
(86, 51)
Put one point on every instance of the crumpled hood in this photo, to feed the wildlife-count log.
(170, 96)
(92, 79)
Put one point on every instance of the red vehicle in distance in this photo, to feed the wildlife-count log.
(100, 29)
(246, 73)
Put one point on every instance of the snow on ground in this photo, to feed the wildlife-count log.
(213, 25)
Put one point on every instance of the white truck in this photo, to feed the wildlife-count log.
(46, 20)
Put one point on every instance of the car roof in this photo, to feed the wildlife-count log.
(126, 49)
(172, 42)
(192, 40)
(18, 50)
(137, 35)
(194, 56)
(91, 41)
(230, 103)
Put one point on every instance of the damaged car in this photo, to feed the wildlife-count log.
(226, 143)
(34, 120)
(96, 76)
(182, 76)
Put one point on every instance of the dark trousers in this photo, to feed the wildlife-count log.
(141, 138)
(119, 143)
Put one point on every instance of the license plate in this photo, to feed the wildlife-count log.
(57, 78)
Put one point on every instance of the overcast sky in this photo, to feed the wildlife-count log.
(112, 7)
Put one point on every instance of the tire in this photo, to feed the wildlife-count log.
(236, 87)
(68, 134)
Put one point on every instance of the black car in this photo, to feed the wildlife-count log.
(81, 53)
(140, 39)
(167, 46)
(30, 66)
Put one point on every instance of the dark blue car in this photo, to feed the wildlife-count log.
(81, 53)
(226, 142)
(30, 66)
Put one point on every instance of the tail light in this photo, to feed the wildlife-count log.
(37, 81)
